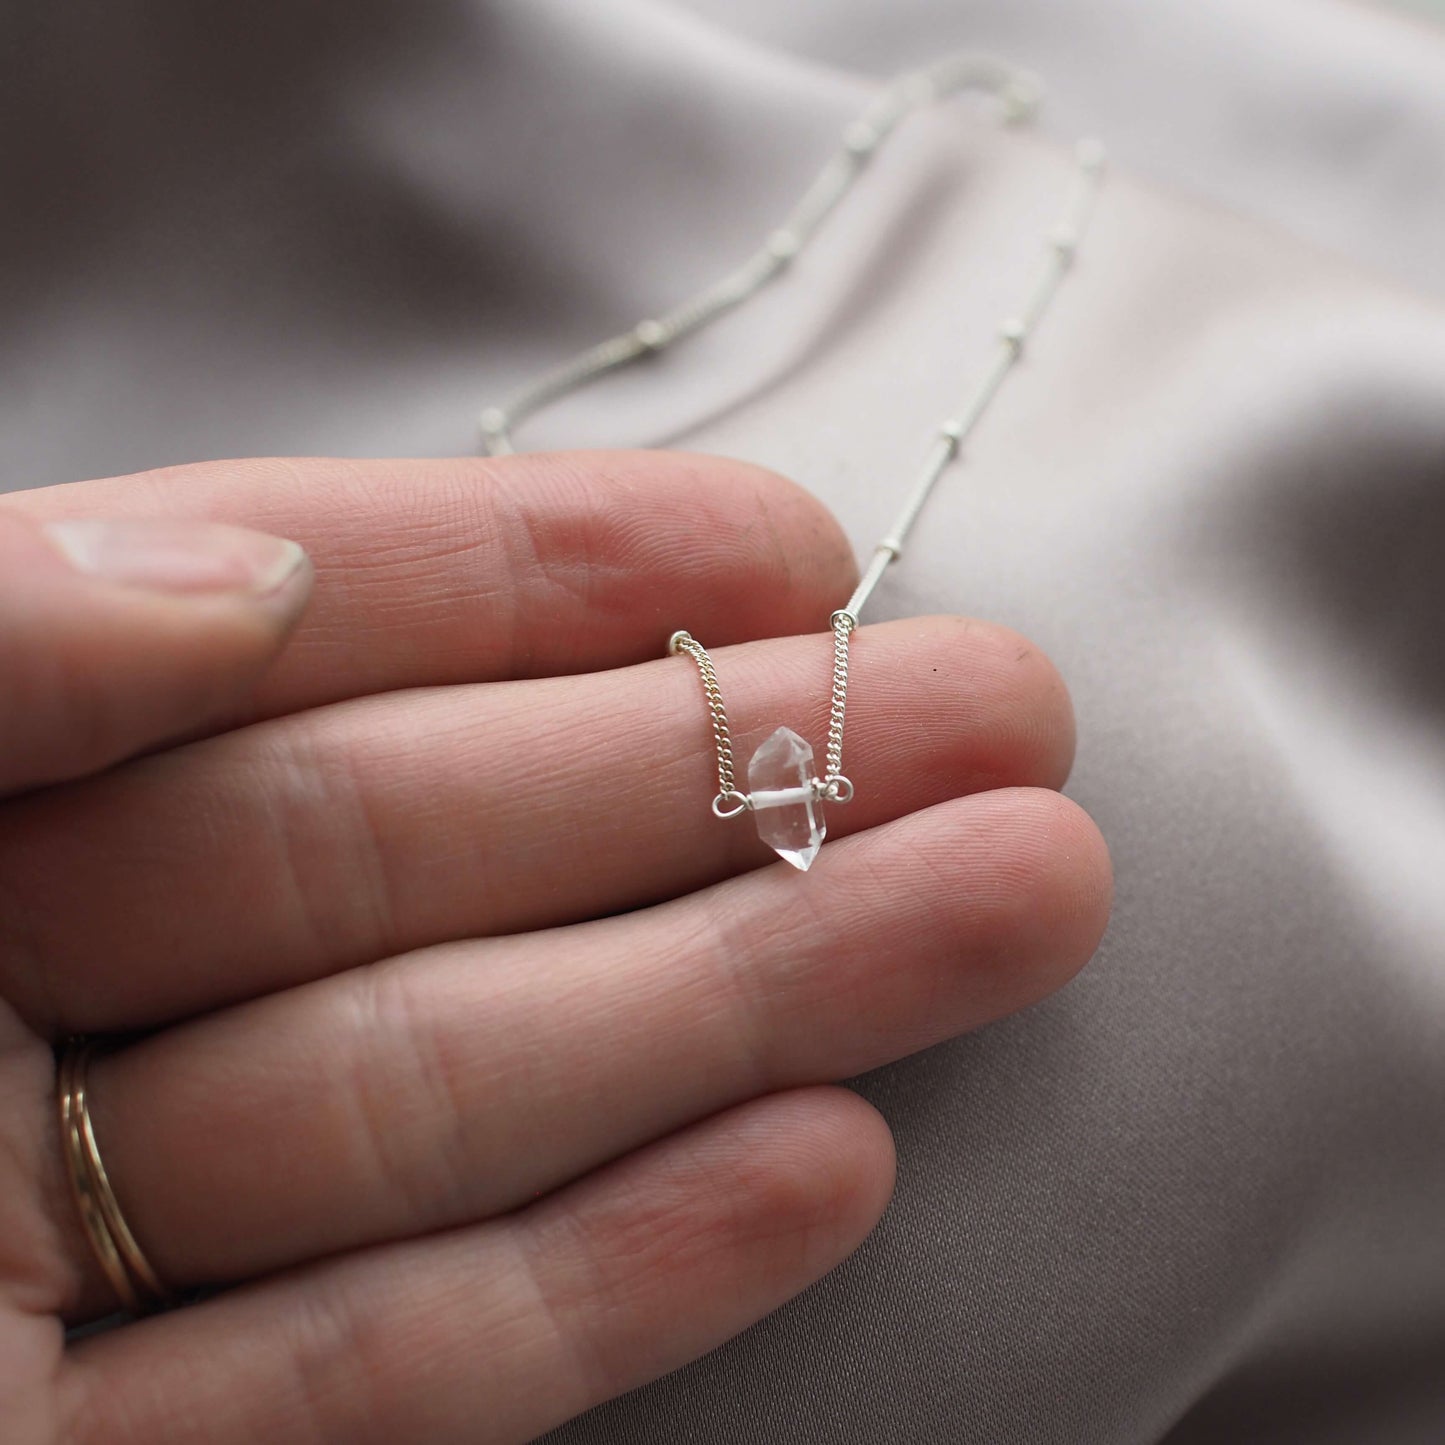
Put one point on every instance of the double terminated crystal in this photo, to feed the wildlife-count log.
(780, 783)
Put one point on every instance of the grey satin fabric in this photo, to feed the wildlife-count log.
(1199, 1197)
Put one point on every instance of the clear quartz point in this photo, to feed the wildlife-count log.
(780, 783)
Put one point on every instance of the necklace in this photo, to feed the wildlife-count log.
(784, 794)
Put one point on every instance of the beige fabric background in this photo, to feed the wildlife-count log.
(1199, 1196)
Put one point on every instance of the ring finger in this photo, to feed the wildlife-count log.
(460, 1082)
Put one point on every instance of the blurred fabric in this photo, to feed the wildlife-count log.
(1198, 1197)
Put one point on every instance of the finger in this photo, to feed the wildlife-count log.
(315, 843)
(471, 570)
(115, 637)
(461, 1082)
(497, 1333)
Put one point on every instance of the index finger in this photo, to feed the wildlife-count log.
(476, 570)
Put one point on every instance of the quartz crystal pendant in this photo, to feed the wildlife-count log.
(780, 783)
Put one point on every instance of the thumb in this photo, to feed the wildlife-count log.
(118, 635)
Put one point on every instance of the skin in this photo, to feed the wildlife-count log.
(484, 1071)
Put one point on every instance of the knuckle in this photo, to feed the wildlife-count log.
(400, 1074)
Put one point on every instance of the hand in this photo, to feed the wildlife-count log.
(485, 1068)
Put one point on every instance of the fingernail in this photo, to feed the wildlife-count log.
(179, 557)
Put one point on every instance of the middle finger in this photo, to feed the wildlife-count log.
(299, 847)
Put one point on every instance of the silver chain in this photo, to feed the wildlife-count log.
(1019, 95)
(836, 788)
(729, 800)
